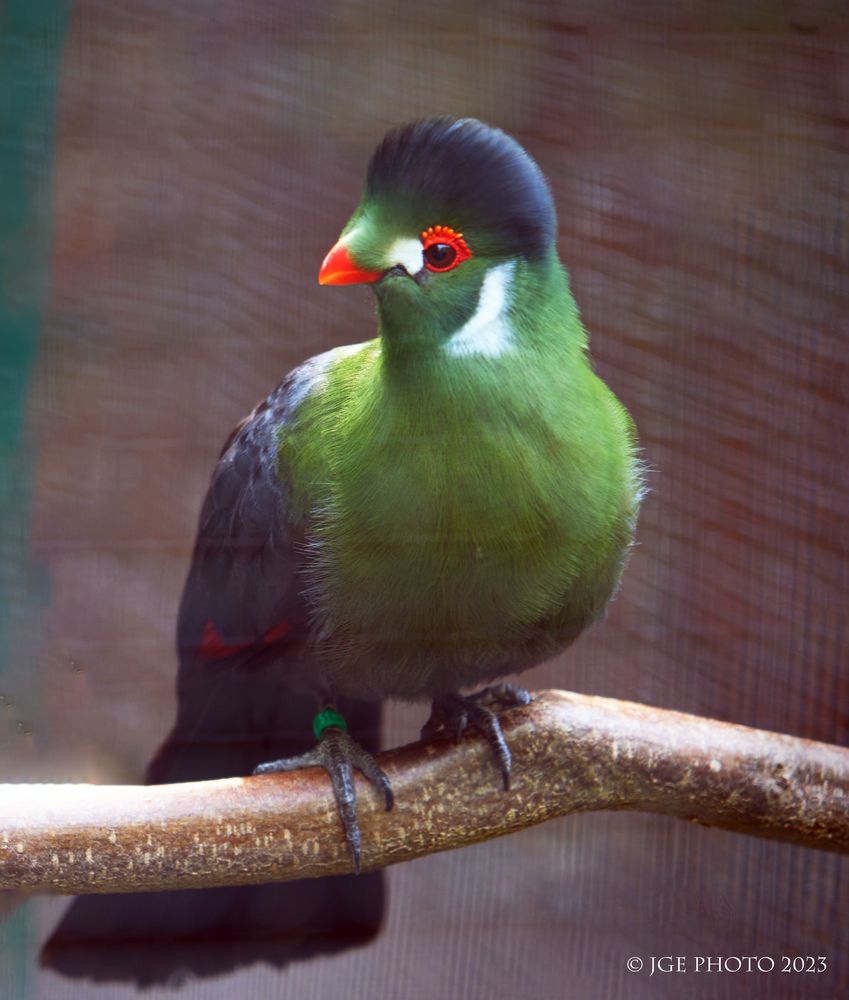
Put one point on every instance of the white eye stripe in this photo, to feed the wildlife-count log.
(407, 252)
(487, 332)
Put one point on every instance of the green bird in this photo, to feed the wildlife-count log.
(413, 516)
(464, 488)
(441, 506)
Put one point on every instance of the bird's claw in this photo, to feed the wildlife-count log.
(454, 712)
(502, 696)
(338, 753)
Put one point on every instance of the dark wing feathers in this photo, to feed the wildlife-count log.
(242, 586)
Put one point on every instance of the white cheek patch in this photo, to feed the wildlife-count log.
(487, 333)
(407, 252)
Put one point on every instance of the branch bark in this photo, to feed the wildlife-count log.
(571, 753)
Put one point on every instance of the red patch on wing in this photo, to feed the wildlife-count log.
(213, 647)
(273, 634)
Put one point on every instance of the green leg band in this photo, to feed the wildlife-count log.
(325, 719)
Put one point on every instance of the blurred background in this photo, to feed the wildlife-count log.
(171, 175)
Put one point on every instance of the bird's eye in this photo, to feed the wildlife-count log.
(443, 248)
(440, 256)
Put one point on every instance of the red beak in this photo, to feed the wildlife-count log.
(339, 269)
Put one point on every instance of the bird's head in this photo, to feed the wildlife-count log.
(451, 210)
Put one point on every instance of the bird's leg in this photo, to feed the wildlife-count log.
(453, 712)
(337, 752)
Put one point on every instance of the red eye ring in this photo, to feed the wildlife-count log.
(443, 248)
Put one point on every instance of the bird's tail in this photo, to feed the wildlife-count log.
(158, 937)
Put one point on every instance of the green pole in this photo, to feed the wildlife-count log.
(32, 33)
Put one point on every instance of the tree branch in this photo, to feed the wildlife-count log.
(571, 753)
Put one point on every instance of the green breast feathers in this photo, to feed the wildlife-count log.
(468, 509)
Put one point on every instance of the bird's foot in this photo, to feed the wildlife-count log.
(453, 712)
(338, 753)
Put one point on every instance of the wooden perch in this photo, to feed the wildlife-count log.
(570, 753)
